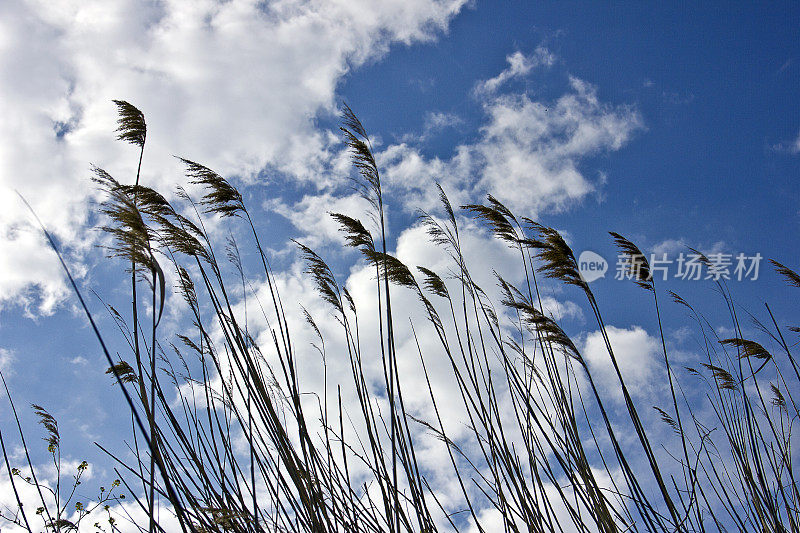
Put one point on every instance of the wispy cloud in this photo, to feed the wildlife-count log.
(6, 359)
(79, 361)
(788, 147)
(434, 123)
(681, 245)
(519, 65)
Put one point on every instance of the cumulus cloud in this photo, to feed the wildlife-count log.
(30, 275)
(311, 214)
(638, 355)
(528, 154)
(236, 85)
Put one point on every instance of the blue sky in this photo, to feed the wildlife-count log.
(673, 125)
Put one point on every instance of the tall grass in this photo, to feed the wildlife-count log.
(545, 449)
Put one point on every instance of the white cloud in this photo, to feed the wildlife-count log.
(434, 122)
(519, 65)
(528, 154)
(6, 359)
(559, 310)
(437, 121)
(674, 247)
(788, 147)
(669, 247)
(234, 84)
(413, 175)
(638, 355)
(128, 515)
(30, 275)
(311, 215)
(79, 361)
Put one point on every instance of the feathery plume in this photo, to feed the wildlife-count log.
(433, 282)
(50, 424)
(637, 263)
(792, 277)
(124, 371)
(131, 126)
(559, 260)
(356, 235)
(220, 197)
(322, 275)
(748, 348)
